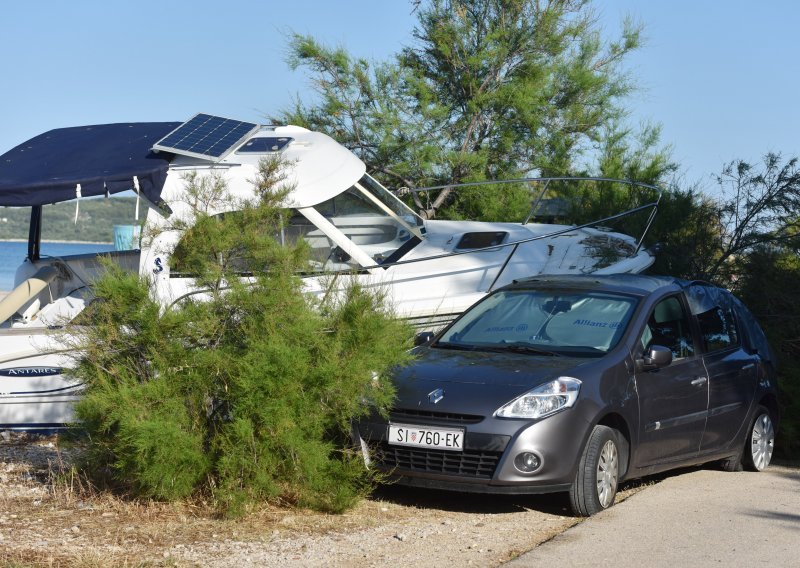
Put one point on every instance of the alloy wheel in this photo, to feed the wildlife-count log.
(762, 441)
(607, 472)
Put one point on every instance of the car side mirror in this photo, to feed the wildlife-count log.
(422, 338)
(656, 357)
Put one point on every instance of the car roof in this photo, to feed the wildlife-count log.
(636, 284)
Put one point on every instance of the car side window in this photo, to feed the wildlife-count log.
(669, 326)
(718, 329)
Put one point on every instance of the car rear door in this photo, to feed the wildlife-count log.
(673, 400)
(732, 374)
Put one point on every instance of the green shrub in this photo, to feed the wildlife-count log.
(248, 394)
(767, 285)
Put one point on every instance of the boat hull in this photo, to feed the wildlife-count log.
(35, 394)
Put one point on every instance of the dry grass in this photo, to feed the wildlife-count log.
(51, 515)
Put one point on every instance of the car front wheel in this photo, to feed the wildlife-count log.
(595, 484)
(760, 442)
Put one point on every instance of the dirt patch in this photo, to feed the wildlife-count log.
(48, 520)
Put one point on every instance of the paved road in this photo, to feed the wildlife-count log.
(696, 519)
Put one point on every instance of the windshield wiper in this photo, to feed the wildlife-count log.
(521, 348)
(458, 346)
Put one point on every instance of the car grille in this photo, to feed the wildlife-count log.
(475, 464)
(411, 414)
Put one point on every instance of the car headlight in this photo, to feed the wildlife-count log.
(544, 400)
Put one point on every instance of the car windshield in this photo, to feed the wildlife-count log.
(544, 322)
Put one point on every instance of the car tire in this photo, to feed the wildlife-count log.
(733, 463)
(760, 442)
(595, 485)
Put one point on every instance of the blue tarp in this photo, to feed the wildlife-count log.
(102, 158)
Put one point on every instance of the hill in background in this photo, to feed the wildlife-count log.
(96, 220)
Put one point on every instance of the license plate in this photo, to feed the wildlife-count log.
(425, 437)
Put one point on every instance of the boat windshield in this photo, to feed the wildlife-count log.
(550, 322)
(373, 219)
(388, 200)
(357, 228)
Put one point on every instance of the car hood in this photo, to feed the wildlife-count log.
(476, 382)
(488, 368)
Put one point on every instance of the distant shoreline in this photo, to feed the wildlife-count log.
(4, 293)
(60, 242)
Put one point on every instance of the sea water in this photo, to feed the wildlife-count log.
(13, 253)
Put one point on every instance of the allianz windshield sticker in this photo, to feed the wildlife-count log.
(505, 328)
(592, 323)
(524, 327)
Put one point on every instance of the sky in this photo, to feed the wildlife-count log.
(720, 77)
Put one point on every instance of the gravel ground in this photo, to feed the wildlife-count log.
(49, 520)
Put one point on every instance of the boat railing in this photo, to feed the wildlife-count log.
(546, 181)
(514, 245)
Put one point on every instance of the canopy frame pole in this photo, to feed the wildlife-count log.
(138, 196)
(35, 233)
(77, 202)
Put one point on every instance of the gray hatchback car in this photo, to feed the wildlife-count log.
(575, 383)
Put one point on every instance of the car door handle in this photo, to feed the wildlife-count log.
(748, 367)
(699, 381)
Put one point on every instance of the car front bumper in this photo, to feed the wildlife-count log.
(486, 463)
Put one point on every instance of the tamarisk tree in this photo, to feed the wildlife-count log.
(246, 394)
(488, 89)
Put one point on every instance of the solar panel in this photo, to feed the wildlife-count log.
(206, 136)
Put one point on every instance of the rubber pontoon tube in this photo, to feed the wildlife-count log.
(26, 291)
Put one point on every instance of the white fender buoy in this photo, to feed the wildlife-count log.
(26, 291)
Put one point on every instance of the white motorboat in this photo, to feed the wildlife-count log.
(432, 270)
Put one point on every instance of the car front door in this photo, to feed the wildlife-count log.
(673, 400)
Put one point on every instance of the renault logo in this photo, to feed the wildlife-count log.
(436, 396)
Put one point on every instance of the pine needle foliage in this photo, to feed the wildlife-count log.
(247, 393)
(485, 89)
(766, 284)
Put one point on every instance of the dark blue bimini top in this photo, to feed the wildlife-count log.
(102, 158)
